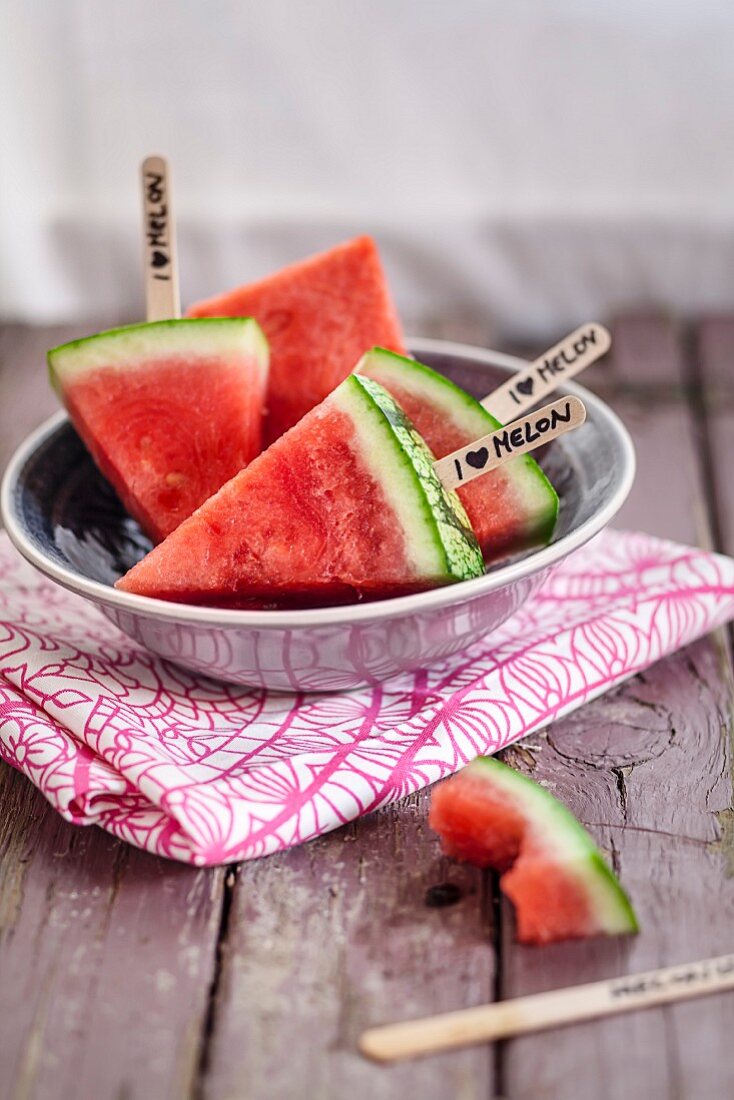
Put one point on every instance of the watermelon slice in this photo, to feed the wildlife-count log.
(320, 316)
(169, 410)
(551, 869)
(512, 508)
(345, 504)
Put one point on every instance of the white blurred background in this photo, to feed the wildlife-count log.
(524, 163)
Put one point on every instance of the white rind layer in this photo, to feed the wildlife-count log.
(530, 487)
(136, 345)
(560, 836)
(391, 467)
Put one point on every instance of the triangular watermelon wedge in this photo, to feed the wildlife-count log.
(553, 872)
(169, 410)
(344, 505)
(512, 508)
(319, 315)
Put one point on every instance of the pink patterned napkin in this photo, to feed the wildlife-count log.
(208, 773)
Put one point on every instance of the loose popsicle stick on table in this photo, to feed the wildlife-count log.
(560, 363)
(487, 1023)
(162, 296)
(516, 438)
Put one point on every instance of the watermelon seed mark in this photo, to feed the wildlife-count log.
(443, 895)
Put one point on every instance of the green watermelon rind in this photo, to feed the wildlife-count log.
(440, 540)
(566, 838)
(122, 346)
(471, 416)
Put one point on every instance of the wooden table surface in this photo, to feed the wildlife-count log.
(127, 977)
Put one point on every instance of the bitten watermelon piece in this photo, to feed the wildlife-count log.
(550, 867)
(169, 410)
(345, 504)
(512, 508)
(320, 316)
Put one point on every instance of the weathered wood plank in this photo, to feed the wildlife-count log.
(648, 769)
(106, 954)
(336, 935)
(333, 936)
(28, 399)
(647, 353)
(714, 356)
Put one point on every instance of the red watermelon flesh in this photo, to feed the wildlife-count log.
(319, 315)
(561, 887)
(344, 504)
(512, 508)
(169, 411)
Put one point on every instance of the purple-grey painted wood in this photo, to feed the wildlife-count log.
(648, 768)
(714, 356)
(668, 498)
(331, 937)
(106, 954)
(27, 398)
(108, 957)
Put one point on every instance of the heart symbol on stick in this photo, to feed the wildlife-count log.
(159, 259)
(525, 387)
(477, 459)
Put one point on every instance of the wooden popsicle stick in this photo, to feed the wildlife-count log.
(516, 438)
(564, 360)
(162, 297)
(547, 1010)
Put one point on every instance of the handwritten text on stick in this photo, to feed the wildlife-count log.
(161, 270)
(156, 226)
(555, 1008)
(558, 364)
(516, 438)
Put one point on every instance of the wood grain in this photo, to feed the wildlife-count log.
(106, 954)
(330, 937)
(27, 398)
(714, 358)
(126, 976)
(548, 1011)
(648, 769)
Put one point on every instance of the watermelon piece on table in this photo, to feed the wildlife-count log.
(346, 504)
(556, 877)
(319, 315)
(169, 410)
(512, 508)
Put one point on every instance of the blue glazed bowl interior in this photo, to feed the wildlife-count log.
(74, 518)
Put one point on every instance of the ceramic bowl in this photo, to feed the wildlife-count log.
(67, 522)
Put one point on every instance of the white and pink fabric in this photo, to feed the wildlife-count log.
(207, 773)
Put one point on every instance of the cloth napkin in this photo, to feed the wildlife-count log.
(208, 773)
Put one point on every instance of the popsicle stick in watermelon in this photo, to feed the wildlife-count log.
(347, 504)
(162, 297)
(512, 440)
(173, 408)
(515, 507)
(320, 316)
(566, 359)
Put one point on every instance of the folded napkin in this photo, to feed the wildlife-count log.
(208, 773)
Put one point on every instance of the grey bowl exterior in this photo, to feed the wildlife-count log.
(338, 648)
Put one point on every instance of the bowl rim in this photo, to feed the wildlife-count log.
(344, 614)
